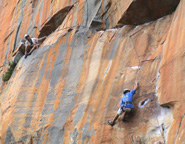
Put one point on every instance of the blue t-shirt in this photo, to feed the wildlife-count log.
(128, 98)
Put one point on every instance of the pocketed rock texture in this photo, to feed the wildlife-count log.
(67, 90)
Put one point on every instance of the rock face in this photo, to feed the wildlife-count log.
(68, 89)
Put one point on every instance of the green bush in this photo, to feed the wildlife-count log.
(7, 75)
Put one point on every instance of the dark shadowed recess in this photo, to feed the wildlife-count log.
(54, 22)
(142, 11)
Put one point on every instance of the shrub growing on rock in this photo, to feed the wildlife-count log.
(7, 75)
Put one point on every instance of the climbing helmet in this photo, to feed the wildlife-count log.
(126, 91)
(26, 35)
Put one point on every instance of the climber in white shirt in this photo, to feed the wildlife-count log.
(31, 44)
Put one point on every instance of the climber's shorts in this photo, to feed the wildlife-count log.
(121, 110)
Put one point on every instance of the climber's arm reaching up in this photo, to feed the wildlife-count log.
(136, 85)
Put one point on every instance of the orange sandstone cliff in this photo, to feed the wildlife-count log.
(67, 90)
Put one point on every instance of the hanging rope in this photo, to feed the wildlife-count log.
(140, 64)
(130, 38)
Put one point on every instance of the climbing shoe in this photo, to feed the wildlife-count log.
(111, 123)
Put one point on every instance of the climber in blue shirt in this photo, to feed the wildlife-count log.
(126, 103)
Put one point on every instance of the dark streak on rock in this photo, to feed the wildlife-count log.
(8, 35)
(179, 127)
(9, 137)
(18, 28)
(6, 109)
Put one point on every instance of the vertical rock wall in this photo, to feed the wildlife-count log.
(171, 80)
(68, 89)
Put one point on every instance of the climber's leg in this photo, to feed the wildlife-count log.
(119, 112)
(34, 47)
(126, 110)
(27, 50)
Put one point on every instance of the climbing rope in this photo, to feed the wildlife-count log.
(140, 64)
(130, 38)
